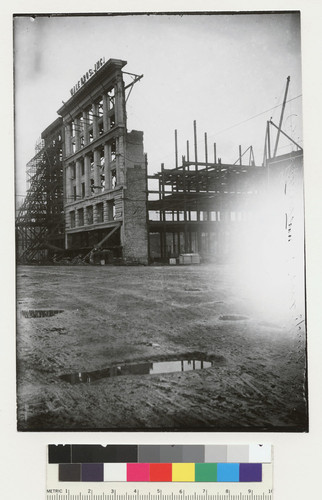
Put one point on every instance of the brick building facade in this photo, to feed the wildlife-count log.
(104, 169)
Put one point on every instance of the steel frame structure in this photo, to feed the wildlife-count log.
(196, 200)
(204, 206)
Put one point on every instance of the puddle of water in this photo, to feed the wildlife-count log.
(268, 324)
(41, 313)
(232, 317)
(138, 369)
(60, 330)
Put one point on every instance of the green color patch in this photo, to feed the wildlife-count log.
(206, 472)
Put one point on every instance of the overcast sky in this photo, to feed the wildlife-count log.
(220, 70)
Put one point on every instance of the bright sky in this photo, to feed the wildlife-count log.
(220, 70)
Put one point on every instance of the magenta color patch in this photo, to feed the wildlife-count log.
(138, 472)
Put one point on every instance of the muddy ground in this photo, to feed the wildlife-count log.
(116, 315)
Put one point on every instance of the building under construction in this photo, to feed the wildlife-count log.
(206, 207)
(90, 196)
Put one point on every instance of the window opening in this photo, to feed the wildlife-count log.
(91, 159)
(81, 123)
(113, 151)
(90, 115)
(100, 212)
(72, 219)
(89, 211)
(111, 97)
(113, 173)
(109, 206)
(81, 217)
(100, 108)
(102, 161)
(102, 164)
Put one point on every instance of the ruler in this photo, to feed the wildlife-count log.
(184, 493)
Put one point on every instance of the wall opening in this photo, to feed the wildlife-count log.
(100, 212)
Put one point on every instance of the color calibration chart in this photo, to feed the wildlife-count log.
(159, 472)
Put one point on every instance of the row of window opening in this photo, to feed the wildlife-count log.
(82, 127)
(93, 188)
(93, 214)
(112, 157)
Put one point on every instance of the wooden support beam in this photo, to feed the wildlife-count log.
(287, 136)
(104, 239)
(206, 150)
(174, 243)
(195, 141)
(176, 147)
(185, 207)
(268, 141)
(164, 234)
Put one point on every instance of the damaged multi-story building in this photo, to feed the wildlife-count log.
(104, 169)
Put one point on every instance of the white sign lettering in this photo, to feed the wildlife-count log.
(88, 75)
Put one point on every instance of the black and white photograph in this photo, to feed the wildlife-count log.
(159, 217)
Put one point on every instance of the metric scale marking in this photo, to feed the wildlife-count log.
(165, 491)
(226, 494)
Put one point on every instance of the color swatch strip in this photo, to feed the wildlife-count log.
(162, 454)
(160, 472)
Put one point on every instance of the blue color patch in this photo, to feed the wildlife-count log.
(228, 473)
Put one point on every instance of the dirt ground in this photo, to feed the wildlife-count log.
(113, 315)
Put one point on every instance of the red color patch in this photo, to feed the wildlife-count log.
(160, 472)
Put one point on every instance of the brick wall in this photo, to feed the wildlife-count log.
(134, 234)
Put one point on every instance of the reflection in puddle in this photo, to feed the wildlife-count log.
(138, 369)
(232, 317)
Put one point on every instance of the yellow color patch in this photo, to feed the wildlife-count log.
(183, 472)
